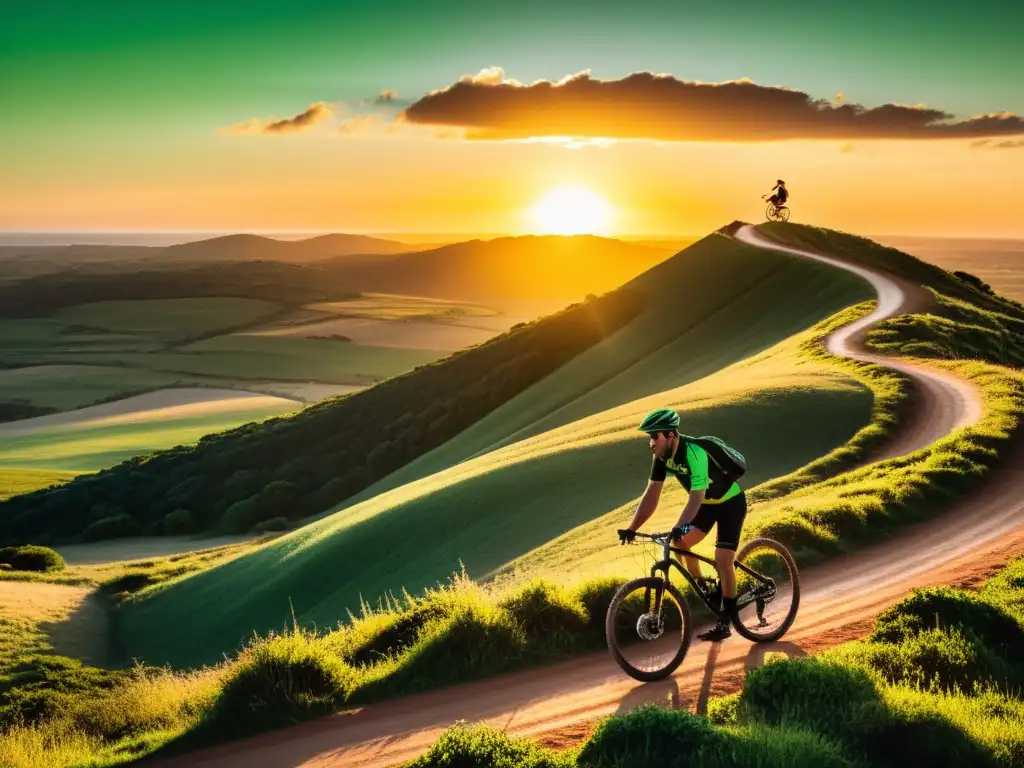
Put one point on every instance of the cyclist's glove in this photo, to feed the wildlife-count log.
(678, 533)
(626, 535)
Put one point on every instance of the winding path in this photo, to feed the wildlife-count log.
(560, 704)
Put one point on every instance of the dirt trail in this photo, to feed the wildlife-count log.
(559, 704)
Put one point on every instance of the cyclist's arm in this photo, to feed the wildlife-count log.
(697, 460)
(648, 503)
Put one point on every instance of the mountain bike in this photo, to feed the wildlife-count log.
(649, 617)
(776, 212)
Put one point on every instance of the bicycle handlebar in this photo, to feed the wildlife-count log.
(660, 538)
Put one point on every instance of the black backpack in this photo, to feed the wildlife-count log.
(727, 458)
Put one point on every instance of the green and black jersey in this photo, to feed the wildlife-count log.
(695, 471)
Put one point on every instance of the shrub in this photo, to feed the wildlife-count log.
(273, 524)
(178, 522)
(475, 746)
(551, 618)
(279, 680)
(32, 558)
(119, 526)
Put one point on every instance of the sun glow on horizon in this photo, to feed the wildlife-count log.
(572, 210)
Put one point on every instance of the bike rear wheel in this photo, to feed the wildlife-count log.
(782, 214)
(766, 609)
(647, 639)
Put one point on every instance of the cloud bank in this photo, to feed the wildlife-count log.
(643, 105)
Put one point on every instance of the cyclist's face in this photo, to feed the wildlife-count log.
(660, 445)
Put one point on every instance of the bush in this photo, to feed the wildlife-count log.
(117, 527)
(551, 618)
(32, 558)
(273, 524)
(826, 697)
(476, 746)
(650, 736)
(281, 680)
(44, 686)
(596, 595)
(396, 636)
(178, 522)
(241, 516)
(945, 608)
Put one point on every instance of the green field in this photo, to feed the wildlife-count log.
(91, 353)
(168, 320)
(89, 446)
(280, 358)
(566, 459)
(16, 480)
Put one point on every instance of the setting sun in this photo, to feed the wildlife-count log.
(572, 210)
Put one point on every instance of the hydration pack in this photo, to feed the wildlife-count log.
(727, 458)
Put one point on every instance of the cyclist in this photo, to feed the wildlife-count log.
(779, 198)
(714, 498)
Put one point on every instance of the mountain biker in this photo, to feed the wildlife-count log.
(779, 198)
(713, 499)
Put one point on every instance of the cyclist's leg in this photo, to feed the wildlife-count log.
(731, 515)
(700, 527)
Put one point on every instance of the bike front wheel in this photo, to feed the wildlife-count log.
(766, 604)
(648, 628)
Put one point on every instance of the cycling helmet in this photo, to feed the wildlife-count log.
(779, 181)
(660, 420)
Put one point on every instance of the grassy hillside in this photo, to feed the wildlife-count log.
(487, 511)
(747, 300)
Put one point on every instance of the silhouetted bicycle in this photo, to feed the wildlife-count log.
(776, 212)
(649, 618)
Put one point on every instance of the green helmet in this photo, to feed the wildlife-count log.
(660, 420)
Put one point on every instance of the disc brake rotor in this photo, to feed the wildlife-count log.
(650, 626)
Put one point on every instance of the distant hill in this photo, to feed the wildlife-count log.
(508, 268)
(280, 282)
(248, 247)
(524, 267)
(29, 260)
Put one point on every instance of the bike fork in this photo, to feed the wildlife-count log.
(659, 592)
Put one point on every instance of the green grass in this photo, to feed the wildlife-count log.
(66, 388)
(92, 446)
(15, 480)
(168, 320)
(279, 358)
(955, 329)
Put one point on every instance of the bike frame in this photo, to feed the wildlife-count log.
(669, 562)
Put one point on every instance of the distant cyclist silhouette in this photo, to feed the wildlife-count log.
(777, 209)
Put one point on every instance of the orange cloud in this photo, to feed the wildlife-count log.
(643, 105)
(315, 113)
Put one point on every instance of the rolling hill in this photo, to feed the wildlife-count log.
(562, 452)
(504, 269)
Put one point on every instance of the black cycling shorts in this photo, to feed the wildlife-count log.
(729, 515)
